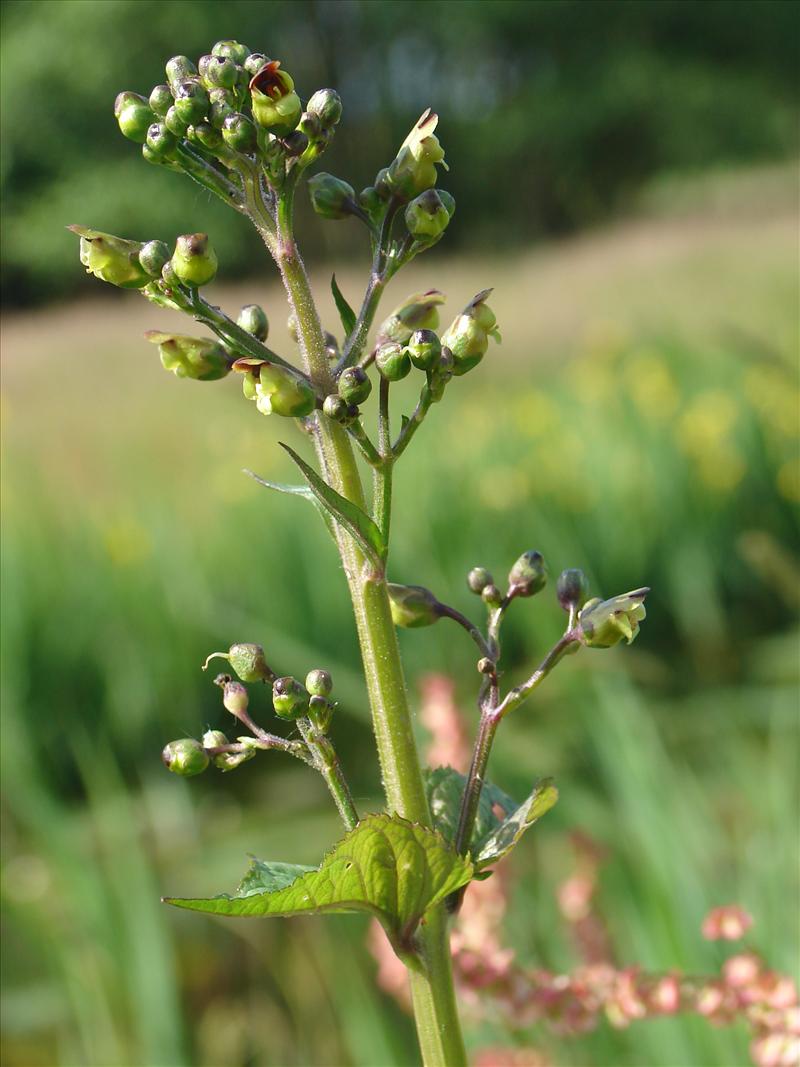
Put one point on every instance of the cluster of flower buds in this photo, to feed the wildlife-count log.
(141, 264)
(307, 704)
(233, 105)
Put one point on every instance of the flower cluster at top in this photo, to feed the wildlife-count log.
(234, 123)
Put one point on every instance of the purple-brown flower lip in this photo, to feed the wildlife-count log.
(271, 81)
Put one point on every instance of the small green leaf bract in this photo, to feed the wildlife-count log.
(346, 313)
(445, 788)
(501, 841)
(357, 523)
(392, 868)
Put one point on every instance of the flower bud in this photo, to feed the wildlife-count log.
(371, 202)
(253, 318)
(295, 143)
(229, 761)
(174, 123)
(414, 168)
(161, 141)
(486, 666)
(320, 711)
(281, 393)
(239, 133)
(111, 259)
(134, 116)
(247, 661)
(336, 408)
(354, 385)
(413, 605)
(417, 312)
(217, 72)
(326, 104)
(161, 100)
(331, 197)
(222, 104)
(319, 683)
(234, 697)
(254, 62)
(185, 757)
(528, 575)
(426, 216)
(276, 106)
(392, 361)
(478, 578)
(289, 698)
(239, 53)
(206, 135)
(191, 101)
(604, 623)
(310, 125)
(424, 349)
(194, 260)
(214, 739)
(491, 595)
(572, 588)
(178, 69)
(153, 256)
(191, 357)
(468, 335)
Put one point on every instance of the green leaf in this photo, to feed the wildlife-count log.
(394, 869)
(445, 789)
(501, 841)
(263, 877)
(346, 313)
(357, 523)
(296, 490)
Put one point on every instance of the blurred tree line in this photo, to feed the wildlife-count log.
(554, 112)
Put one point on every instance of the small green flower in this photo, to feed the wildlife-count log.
(331, 197)
(392, 361)
(604, 623)
(289, 698)
(185, 757)
(178, 69)
(424, 349)
(417, 312)
(427, 216)
(354, 385)
(161, 100)
(111, 259)
(239, 133)
(194, 260)
(247, 660)
(572, 589)
(319, 683)
(528, 575)
(217, 72)
(467, 337)
(153, 256)
(414, 168)
(191, 101)
(161, 141)
(478, 578)
(134, 116)
(413, 606)
(326, 105)
(253, 318)
(276, 106)
(239, 53)
(199, 358)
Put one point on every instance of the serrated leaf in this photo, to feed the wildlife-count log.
(445, 789)
(394, 869)
(357, 523)
(502, 840)
(346, 313)
(268, 877)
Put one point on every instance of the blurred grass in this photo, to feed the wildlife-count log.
(639, 420)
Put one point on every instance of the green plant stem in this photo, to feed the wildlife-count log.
(435, 1011)
(426, 398)
(327, 763)
(475, 779)
(382, 475)
(354, 345)
(365, 445)
(520, 693)
(451, 613)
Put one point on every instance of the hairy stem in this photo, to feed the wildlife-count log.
(432, 986)
(327, 763)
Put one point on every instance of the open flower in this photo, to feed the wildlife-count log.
(604, 623)
(111, 259)
(276, 106)
(413, 170)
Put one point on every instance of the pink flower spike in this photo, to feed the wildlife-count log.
(741, 970)
(726, 923)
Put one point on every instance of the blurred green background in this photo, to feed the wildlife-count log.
(626, 178)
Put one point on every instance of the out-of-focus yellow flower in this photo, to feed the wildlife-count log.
(707, 421)
(788, 480)
(535, 414)
(502, 488)
(721, 469)
(126, 541)
(651, 386)
(774, 395)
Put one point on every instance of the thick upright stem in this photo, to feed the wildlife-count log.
(435, 1011)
